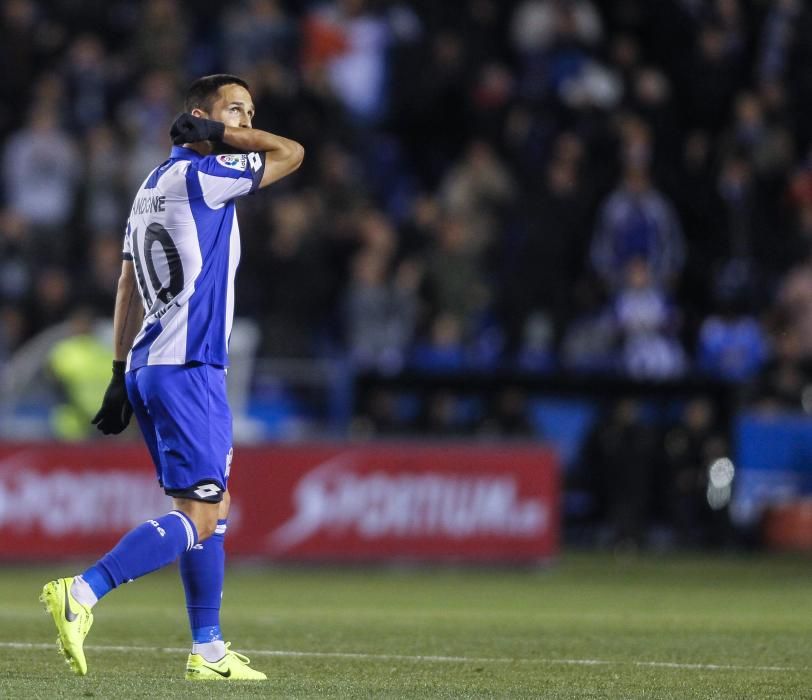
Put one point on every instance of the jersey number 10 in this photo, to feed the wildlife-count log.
(156, 233)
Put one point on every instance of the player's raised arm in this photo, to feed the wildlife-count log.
(225, 115)
(282, 155)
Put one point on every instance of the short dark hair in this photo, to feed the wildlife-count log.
(202, 91)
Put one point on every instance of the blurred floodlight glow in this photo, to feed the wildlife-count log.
(721, 473)
(720, 480)
(718, 498)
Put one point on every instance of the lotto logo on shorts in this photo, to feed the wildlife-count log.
(207, 490)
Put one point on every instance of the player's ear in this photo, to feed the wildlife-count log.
(197, 112)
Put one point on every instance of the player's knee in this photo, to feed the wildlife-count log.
(206, 526)
(203, 516)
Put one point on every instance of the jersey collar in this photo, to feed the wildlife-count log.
(181, 153)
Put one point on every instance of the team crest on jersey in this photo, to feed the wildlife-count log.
(235, 161)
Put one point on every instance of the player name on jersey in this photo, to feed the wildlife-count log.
(148, 205)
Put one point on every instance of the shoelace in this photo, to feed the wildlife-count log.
(240, 657)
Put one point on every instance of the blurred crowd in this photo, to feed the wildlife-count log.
(575, 186)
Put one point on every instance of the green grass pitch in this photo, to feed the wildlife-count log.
(588, 627)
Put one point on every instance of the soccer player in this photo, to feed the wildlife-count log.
(172, 321)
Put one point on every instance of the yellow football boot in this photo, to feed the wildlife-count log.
(72, 619)
(232, 667)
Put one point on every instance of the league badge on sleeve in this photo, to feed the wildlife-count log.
(235, 161)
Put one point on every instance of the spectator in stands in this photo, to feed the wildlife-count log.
(294, 251)
(78, 363)
(256, 32)
(591, 340)
(16, 254)
(454, 273)
(794, 304)
(739, 207)
(88, 82)
(767, 145)
(779, 33)
(351, 42)
(380, 315)
(715, 76)
(40, 171)
(535, 24)
(650, 97)
(621, 453)
(161, 36)
(146, 116)
(556, 228)
(694, 186)
(637, 221)
(646, 323)
(556, 42)
(105, 181)
(732, 343)
(783, 381)
(477, 190)
(21, 53)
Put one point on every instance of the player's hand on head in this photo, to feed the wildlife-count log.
(191, 129)
(116, 411)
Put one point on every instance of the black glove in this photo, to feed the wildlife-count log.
(191, 129)
(116, 410)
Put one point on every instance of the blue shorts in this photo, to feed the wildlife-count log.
(184, 415)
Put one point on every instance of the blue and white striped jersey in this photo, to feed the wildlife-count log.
(183, 238)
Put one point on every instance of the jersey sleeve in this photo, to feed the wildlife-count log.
(227, 176)
(127, 252)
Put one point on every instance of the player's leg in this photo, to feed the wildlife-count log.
(144, 549)
(156, 395)
(202, 568)
(148, 547)
(202, 571)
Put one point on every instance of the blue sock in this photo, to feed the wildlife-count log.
(148, 547)
(202, 570)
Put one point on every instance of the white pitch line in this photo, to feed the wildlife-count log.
(440, 659)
